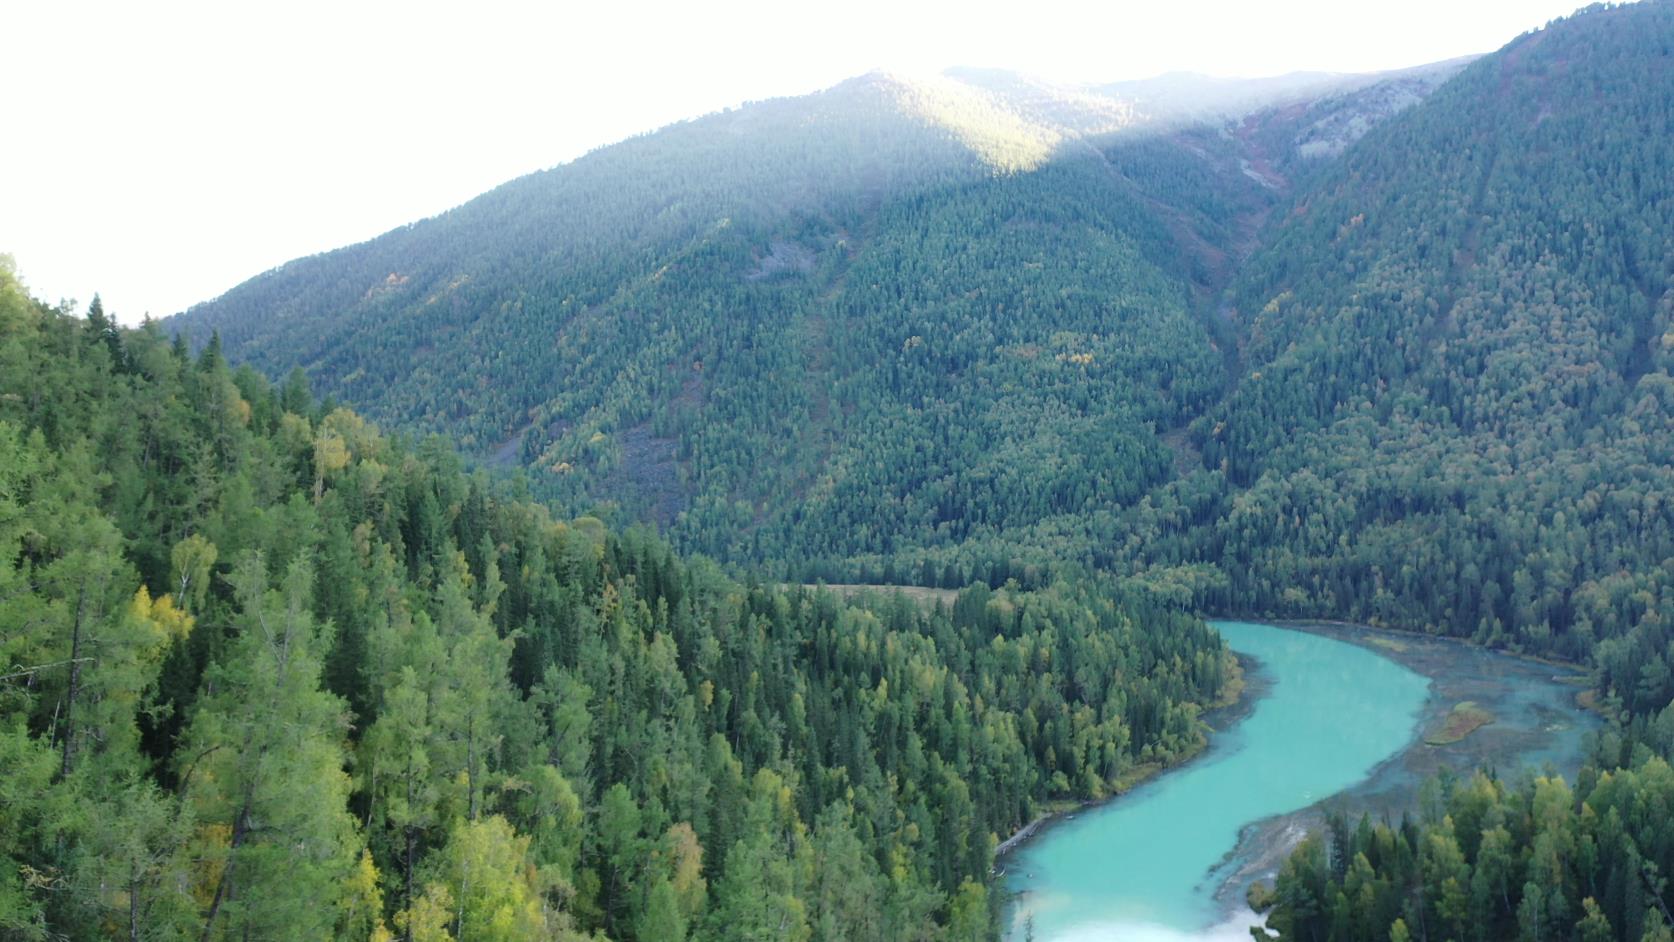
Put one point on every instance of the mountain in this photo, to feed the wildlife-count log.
(1448, 397)
(1393, 352)
(1456, 357)
(893, 324)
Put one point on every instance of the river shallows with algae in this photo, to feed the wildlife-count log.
(1338, 712)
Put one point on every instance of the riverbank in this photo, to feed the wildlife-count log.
(1231, 706)
(1308, 624)
(1178, 853)
(1310, 722)
(1539, 719)
(1412, 649)
(1398, 644)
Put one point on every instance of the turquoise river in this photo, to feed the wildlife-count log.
(1329, 716)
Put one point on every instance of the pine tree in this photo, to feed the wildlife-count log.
(262, 771)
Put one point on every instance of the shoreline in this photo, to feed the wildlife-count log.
(1379, 792)
(1233, 699)
(1580, 675)
(1303, 624)
(1262, 845)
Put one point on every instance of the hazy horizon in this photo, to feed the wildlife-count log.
(186, 150)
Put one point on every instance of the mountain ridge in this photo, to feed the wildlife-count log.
(879, 80)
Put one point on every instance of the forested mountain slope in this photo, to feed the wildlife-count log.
(1490, 359)
(267, 674)
(1454, 409)
(878, 332)
(1460, 396)
(1345, 357)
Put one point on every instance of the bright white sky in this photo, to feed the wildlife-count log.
(160, 153)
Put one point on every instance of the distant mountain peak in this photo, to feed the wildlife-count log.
(1190, 97)
(1068, 108)
(1003, 136)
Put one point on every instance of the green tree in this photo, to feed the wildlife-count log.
(482, 875)
(262, 771)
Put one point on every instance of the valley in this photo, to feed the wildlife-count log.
(767, 526)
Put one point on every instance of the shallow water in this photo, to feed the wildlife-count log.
(1537, 729)
(1336, 716)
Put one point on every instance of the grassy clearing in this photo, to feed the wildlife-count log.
(1588, 700)
(1465, 718)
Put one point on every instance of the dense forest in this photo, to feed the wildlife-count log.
(269, 674)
